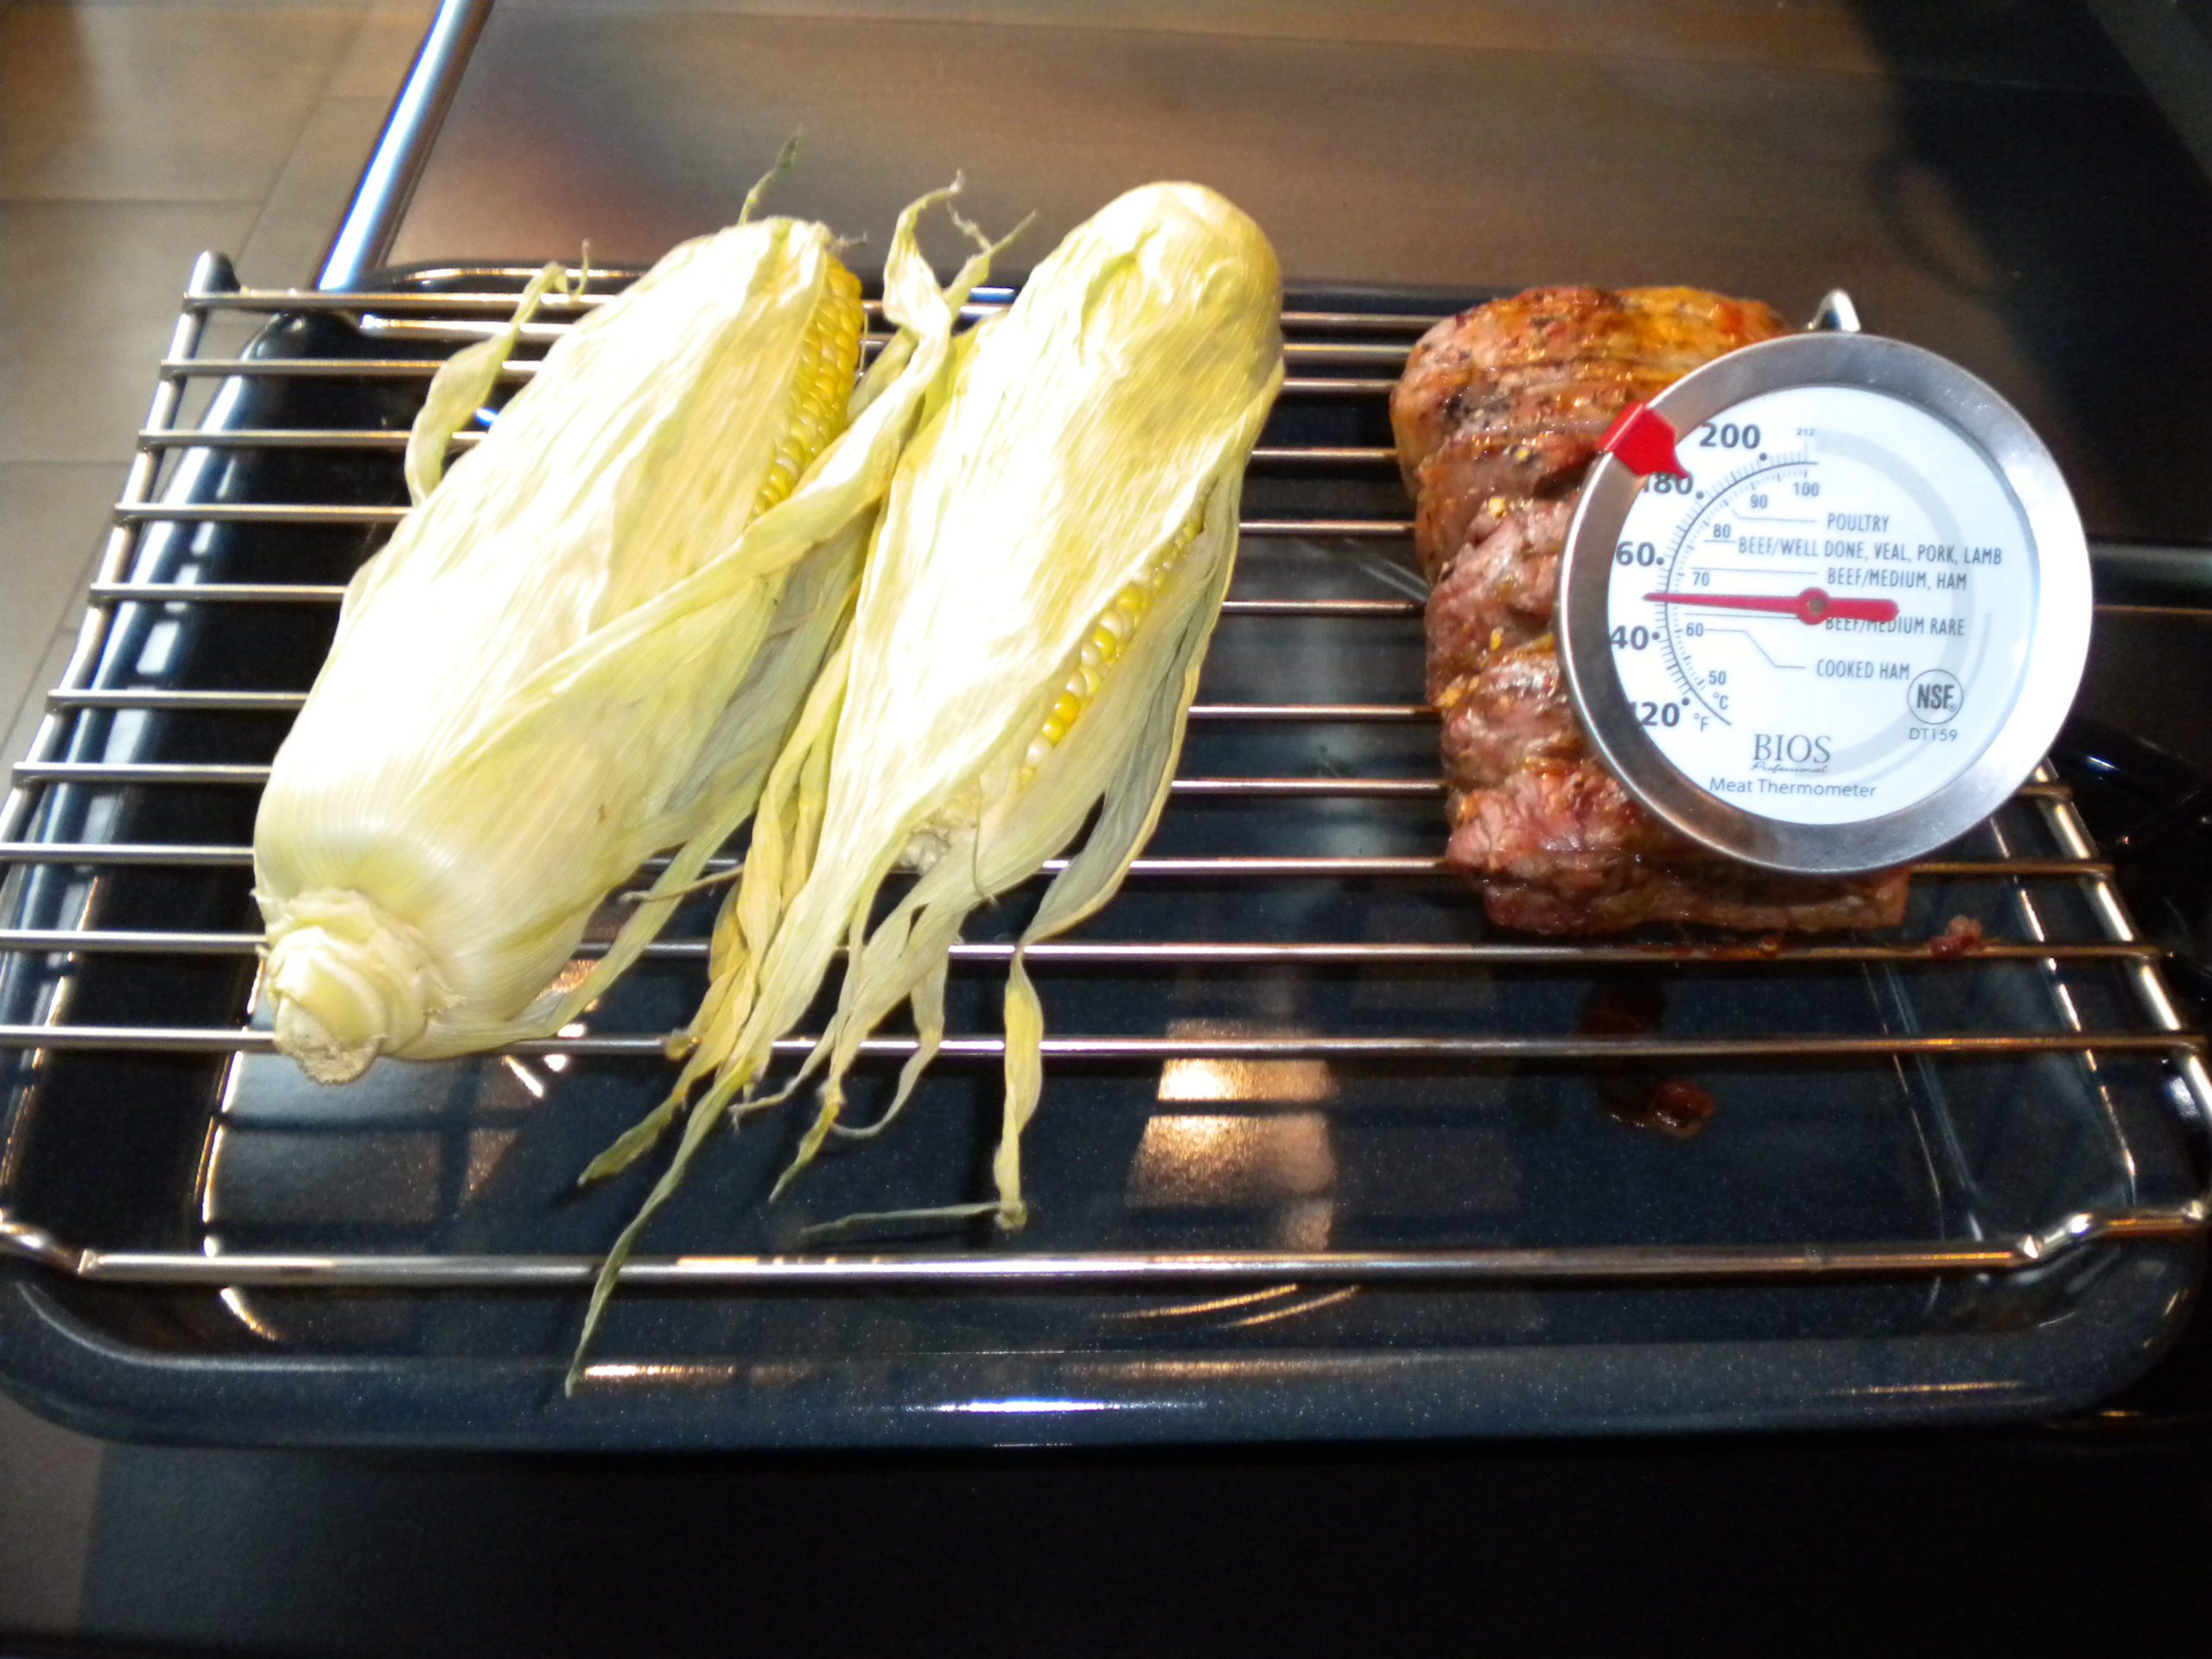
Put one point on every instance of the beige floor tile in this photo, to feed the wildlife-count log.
(202, 5)
(320, 173)
(88, 296)
(318, 179)
(284, 251)
(1832, 34)
(52, 520)
(159, 104)
(376, 61)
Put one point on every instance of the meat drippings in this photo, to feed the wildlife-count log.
(1634, 1092)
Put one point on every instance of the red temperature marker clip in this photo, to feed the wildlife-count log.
(1641, 441)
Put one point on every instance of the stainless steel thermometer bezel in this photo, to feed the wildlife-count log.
(2057, 633)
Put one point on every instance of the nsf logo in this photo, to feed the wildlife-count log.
(1935, 697)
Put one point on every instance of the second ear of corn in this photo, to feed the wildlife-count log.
(584, 644)
(1043, 581)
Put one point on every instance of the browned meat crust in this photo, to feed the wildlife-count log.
(1497, 418)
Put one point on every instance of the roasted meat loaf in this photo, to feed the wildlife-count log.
(1497, 418)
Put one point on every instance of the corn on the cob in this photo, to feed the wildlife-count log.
(1047, 570)
(585, 644)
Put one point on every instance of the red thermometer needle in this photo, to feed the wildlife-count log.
(1812, 608)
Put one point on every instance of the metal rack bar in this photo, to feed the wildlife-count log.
(204, 774)
(209, 700)
(308, 513)
(395, 443)
(277, 593)
(214, 701)
(519, 369)
(286, 593)
(1041, 1270)
(1970, 1044)
(447, 336)
(370, 302)
(1339, 867)
(118, 592)
(124, 854)
(1263, 954)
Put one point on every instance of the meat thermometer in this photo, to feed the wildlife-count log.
(1825, 602)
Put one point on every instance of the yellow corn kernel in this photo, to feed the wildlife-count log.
(1087, 672)
(828, 359)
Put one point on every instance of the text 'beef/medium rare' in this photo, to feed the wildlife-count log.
(1498, 419)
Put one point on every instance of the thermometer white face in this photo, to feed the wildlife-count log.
(1848, 625)
(1826, 620)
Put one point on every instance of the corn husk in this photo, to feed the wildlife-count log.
(585, 644)
(1077, 480)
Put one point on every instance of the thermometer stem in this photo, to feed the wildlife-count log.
(1812, 608)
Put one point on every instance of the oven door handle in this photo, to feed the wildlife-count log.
(403, 148)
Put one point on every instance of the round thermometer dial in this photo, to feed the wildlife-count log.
(1847, 621)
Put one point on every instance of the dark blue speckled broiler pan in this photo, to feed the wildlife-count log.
(1321, 1155)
